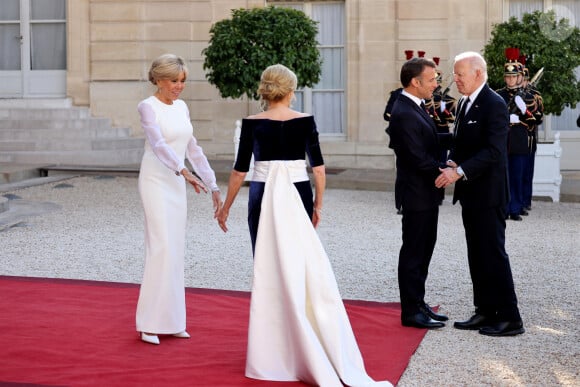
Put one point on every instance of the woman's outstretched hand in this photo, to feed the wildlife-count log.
(197, 184)
(222, 217)
(316, 216)
(217, 202)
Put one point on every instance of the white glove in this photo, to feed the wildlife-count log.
(442, 108)
(520, 104)
(514, 119)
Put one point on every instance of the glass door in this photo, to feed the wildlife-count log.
(10, 44)
(32, 48)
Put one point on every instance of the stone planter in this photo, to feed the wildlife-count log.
(547, 177)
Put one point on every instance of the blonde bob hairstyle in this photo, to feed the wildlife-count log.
(167, 66)
(276, 82)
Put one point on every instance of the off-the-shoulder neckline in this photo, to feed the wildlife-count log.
(273, 120)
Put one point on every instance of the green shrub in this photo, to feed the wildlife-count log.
(241, 48)
(551, 44)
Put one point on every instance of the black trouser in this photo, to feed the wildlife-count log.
(419, 236)
(493, 286)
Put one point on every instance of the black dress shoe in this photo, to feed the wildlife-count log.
(524, 213)
(528, 208)
(474, 323)
(426, 309)
(515, 217)
(503, 328)
(420, 320)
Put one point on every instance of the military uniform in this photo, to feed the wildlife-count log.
(394, 95)
(520, 104)
(538, 112)
(441, 108)
(392, 98)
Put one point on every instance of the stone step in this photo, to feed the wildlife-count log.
(35, 103)
(68, 123)
(71, 144)
(4, 204)
(118, 144)
(17, 146)
(44, 113)
(109, 157)
(11, 173)
(62, 133)
(47, 131)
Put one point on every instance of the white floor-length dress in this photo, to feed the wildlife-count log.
(169, 133)
(299, 329)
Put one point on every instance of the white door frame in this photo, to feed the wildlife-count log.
(28, 83)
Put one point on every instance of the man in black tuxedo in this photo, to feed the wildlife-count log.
(479, 170)
(415, 141)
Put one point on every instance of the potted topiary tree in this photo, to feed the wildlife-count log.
(554, 46)
(241, 48)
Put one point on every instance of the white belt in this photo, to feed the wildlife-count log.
(296, 169)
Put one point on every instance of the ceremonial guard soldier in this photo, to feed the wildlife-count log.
(538, 113)
(394, 95)
(441, 107)
(520, 105)
(392, 98)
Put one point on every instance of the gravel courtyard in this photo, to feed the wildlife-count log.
(92, 228)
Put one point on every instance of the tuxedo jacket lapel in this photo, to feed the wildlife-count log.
(426, 117)
(422, 113)
(460, 118)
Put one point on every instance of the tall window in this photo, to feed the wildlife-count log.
(10, 35)
(326, 100)
(569, 9)
(48, 34)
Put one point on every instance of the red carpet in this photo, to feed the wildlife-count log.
(81, 333)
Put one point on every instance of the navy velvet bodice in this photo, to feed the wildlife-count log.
(278, 140)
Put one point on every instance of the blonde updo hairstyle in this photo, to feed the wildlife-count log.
(167, 66)
(276, 82)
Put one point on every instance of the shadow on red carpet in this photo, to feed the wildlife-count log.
(58, 332)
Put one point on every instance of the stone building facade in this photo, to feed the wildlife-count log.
(110, 44)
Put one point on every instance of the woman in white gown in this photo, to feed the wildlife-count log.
(162, 182)
(299, 329)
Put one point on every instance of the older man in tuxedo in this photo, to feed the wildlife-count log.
(415, 141)
(479, 170)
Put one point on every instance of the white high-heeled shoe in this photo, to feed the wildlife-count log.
(182, 335)
(151, 339)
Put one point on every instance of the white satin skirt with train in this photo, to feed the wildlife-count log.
(299, 329)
